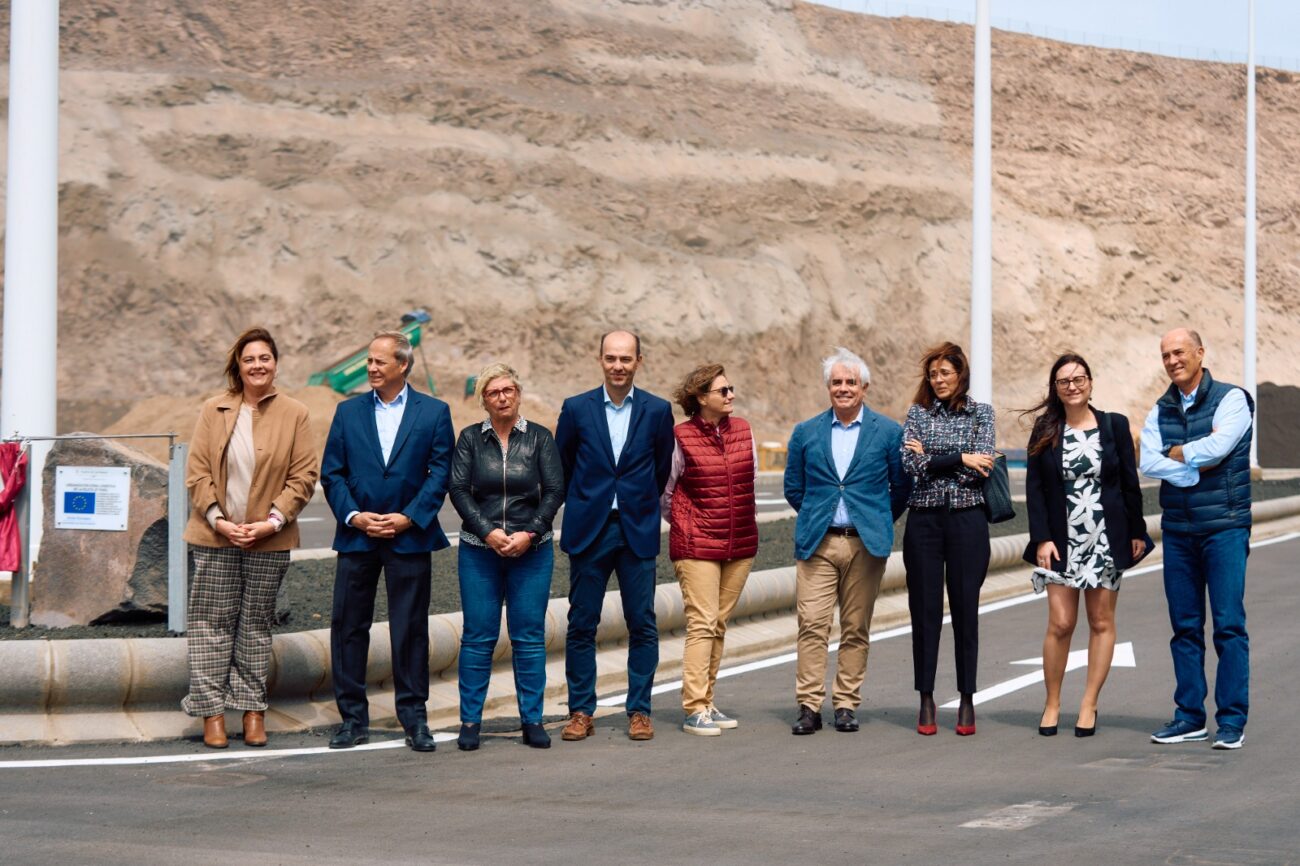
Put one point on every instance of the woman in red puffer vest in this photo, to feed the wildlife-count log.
(709, 503)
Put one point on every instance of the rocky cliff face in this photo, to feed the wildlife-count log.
(748, 181)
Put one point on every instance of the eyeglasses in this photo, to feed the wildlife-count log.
(724, 391)
(936, 375)
(508, 392)
(1078, 382)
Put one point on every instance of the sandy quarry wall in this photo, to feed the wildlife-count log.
(749, 181)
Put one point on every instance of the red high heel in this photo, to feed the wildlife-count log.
(967, 706)
(927, 710)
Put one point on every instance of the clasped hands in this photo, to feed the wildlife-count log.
(514, 544)
(244, 535)
(981, 463)
(381, 525)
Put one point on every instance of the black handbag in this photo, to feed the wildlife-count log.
(997, 491)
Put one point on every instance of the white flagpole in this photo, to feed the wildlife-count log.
(981, 280)
(29, 395)
(1250, 338)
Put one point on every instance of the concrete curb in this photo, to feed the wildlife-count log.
(130, 689)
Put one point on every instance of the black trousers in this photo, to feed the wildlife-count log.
(942, 547)
(356, 579)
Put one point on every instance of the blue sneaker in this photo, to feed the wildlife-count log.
(721, 719)
(1180, 731)
(1229, 738)
(701, 724)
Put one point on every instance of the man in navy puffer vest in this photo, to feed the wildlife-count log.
(1196, 441)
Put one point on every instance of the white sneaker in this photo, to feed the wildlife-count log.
(721, 719)
(701, 724)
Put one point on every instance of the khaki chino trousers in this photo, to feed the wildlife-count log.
(710, 590)
(842, 572)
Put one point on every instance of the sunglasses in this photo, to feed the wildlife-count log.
(725, 390)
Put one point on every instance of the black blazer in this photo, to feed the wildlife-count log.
(1121, 496)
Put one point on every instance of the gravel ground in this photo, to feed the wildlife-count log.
(310, 584)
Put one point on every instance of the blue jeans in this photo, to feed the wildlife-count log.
(1195, 564)
(524, 583)
(588, 577)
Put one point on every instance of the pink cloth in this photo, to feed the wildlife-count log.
(13, 466)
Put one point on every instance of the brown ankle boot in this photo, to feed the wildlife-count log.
(214, 732)
(254, 728)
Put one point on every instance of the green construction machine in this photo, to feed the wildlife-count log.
(348, 376)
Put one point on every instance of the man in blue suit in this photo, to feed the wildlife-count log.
(385, 471)
(616, 444)
(844, 476)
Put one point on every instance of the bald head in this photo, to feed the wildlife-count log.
(1183, 354)
(620, 355)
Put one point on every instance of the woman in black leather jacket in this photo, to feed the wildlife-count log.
(507, 483)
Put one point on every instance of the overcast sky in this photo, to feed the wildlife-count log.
(1218, 25)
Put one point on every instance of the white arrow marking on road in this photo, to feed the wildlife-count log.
(1123, 658)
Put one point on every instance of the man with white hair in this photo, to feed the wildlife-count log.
(844, 476)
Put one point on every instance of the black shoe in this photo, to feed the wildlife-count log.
(420, 739)
(1087, 732)
(467, 739)
(1046, 730)
(810, 722)
(348, 735)
(845, 721)
(536, 736)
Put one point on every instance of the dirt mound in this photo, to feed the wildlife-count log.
(746, 181)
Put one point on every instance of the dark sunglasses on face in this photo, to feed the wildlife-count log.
(725, 390)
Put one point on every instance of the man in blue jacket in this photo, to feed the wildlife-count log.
(844, 476)
(385, 472)
(616, 444)
(1196, 440)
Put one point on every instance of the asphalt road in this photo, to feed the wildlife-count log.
(754, 795)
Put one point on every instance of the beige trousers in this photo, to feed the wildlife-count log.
(710, 590)
(841, 570)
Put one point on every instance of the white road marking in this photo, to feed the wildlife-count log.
(1078, 659)
(204, 757)
(1019, 816)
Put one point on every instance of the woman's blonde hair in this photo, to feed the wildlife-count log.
(494, 371)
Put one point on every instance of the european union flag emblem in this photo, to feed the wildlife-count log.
(78, 502)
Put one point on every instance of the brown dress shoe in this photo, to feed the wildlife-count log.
(254, 728)
(214, 732)
(639, 727)
(580, 727)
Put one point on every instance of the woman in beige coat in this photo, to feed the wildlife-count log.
(252, 467)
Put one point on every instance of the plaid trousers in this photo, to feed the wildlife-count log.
(231, 609)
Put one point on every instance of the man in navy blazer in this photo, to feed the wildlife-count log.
(844, 476)
(385, 472)
(616, 444)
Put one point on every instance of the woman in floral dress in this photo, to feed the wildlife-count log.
(1085, 528)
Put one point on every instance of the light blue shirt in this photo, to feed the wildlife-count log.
(844, 441)
(1231, 421)
(388, 418)
(618, 418)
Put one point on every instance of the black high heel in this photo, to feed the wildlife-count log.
(1088, 732)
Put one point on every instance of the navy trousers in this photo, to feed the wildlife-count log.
(356, 579)
(588, 576)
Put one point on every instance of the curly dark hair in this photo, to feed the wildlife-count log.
(233, 381)
(696, 385)
(1049, 414)
(953, 354)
